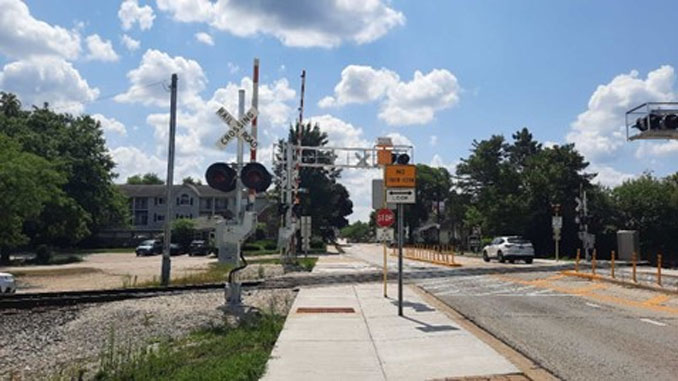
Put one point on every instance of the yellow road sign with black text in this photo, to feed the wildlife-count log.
(401, 176)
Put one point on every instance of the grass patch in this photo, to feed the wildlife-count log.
(217, 353)
(56, 272)
(215, 272)
(304, 264)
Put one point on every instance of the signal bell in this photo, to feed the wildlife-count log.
(221, 176)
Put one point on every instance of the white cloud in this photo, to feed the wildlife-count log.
(130, 13)
(438, 162)
(130, 43)
(647, 148)
(110, 124)
(100, 50)
(157, 66)
(599, 132)
(433, 141)
(399, 139)
(131, 161)
(204, 38)
(303, 23)
(232, 68)
(402, 103)
(608, 176)
(339, 132)
(47, 79)
(360, 84)
(416, 102)
(22, 36)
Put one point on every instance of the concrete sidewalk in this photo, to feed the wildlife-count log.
(351, 332)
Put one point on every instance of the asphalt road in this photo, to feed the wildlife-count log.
(576, 329)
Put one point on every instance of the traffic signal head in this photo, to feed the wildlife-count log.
(655, 121)
(255, 176)
(401, 158)
(221, 176)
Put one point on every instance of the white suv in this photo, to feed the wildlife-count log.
(509, 248)
(7, 283)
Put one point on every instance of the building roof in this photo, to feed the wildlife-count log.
(142, 190)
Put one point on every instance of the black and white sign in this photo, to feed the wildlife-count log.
(238, 127)
(385, 234)
(401, 195)
(557, 222)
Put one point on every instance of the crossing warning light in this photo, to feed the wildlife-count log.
(255, 176)
(402, 158)
(221, 176)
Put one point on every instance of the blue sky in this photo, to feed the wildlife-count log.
(437, 74)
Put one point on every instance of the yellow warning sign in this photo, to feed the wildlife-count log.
(401, 176)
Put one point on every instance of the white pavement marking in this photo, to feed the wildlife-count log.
(592, 305)
(653, 322)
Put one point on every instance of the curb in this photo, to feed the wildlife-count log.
(619, 282)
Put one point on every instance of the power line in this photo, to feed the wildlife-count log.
(110, 96)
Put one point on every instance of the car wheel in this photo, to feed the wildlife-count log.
(528, 261)
(512, 261)
(500, 255)
(485, 257)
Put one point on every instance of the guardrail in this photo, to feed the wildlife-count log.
(436, 254)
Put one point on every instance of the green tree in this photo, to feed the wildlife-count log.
(76, 148)
(27, 183)
(357, 232)
(433, 188)
(648, 204)
(146, 179)
(183, 231)
(326, 201)
(191, 181)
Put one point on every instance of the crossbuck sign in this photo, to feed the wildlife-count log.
(237, 127)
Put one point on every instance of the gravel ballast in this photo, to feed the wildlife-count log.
(35, 344)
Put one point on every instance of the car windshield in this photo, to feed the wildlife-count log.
(518, 240)
(147, 243)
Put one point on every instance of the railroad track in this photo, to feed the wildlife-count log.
(46, 299)
(65, 298)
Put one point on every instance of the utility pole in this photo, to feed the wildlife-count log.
(400, 259)
(166, 261)
(255, 104)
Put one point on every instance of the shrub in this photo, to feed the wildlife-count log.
(43, 254)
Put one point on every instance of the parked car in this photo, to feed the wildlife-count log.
(149, 247)
(509, 248)
(198, 247)
(7, 283)
(175, 249)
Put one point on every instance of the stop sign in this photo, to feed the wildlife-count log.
(385, 218)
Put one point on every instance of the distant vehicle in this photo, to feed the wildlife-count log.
(175, 249)
(7, 283)
(149, 247)
(198, 247)
(509, 248)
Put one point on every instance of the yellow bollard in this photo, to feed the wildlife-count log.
(659, 269)
(633, 262)
(576, 261)
(593, 262)
(612, 264)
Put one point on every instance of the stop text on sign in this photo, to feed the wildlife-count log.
(385, 218)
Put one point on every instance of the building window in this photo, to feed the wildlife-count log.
(161, 217)
(220, 203)
(140, 218)
(184, 200)
(140, 203)
(159, 201)
(205, 203)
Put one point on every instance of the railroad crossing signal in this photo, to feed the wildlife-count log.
(222, 176)
(237, 127)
